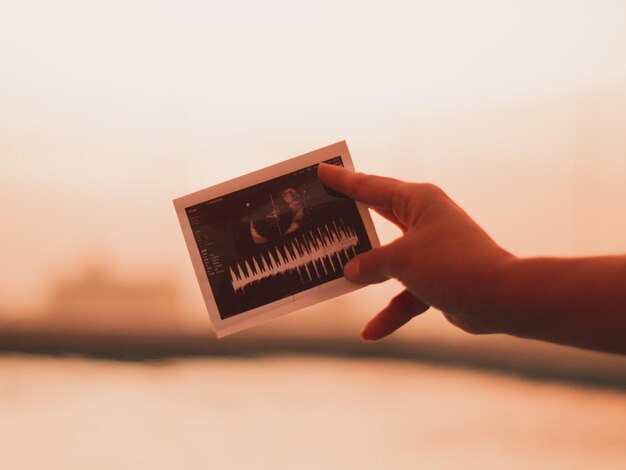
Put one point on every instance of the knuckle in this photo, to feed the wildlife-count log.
(432, 191)
(470, 326)
(419, 198)
(400, 200)
(473, 330)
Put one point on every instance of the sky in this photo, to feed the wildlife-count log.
(109, 110)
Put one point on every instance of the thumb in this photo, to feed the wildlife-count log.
(373, 266)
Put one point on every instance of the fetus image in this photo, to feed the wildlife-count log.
(280, 215)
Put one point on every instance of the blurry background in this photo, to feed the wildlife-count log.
(109, 110)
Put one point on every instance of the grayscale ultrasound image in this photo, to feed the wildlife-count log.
(275, 239)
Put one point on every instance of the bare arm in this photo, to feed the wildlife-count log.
(445, 260)
(575, 301)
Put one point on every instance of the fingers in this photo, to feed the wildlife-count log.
(373, 266)
(374, 191)
(402, 308)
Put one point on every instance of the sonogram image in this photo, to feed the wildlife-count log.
(275, 239)
(276, 216)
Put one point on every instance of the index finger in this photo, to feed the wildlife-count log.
(375, 191)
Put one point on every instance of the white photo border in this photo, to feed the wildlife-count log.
(289, 304)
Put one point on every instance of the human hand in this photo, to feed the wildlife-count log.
(443, 258)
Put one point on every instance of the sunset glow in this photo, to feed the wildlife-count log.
(111, 110)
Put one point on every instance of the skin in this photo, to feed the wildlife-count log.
(447, 261)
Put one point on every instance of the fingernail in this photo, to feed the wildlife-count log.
(352, 269)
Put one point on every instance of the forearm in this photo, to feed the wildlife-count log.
(574, 301)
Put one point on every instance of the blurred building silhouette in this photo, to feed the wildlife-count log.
(98, 302)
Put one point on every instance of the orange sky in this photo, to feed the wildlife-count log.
(109, 111)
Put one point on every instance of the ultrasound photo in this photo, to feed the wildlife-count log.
(275, 239)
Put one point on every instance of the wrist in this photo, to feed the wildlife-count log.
(525, 296)
(495, 301)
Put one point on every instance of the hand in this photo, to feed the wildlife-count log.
(444, 259)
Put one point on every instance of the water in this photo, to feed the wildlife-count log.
(281, 412)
